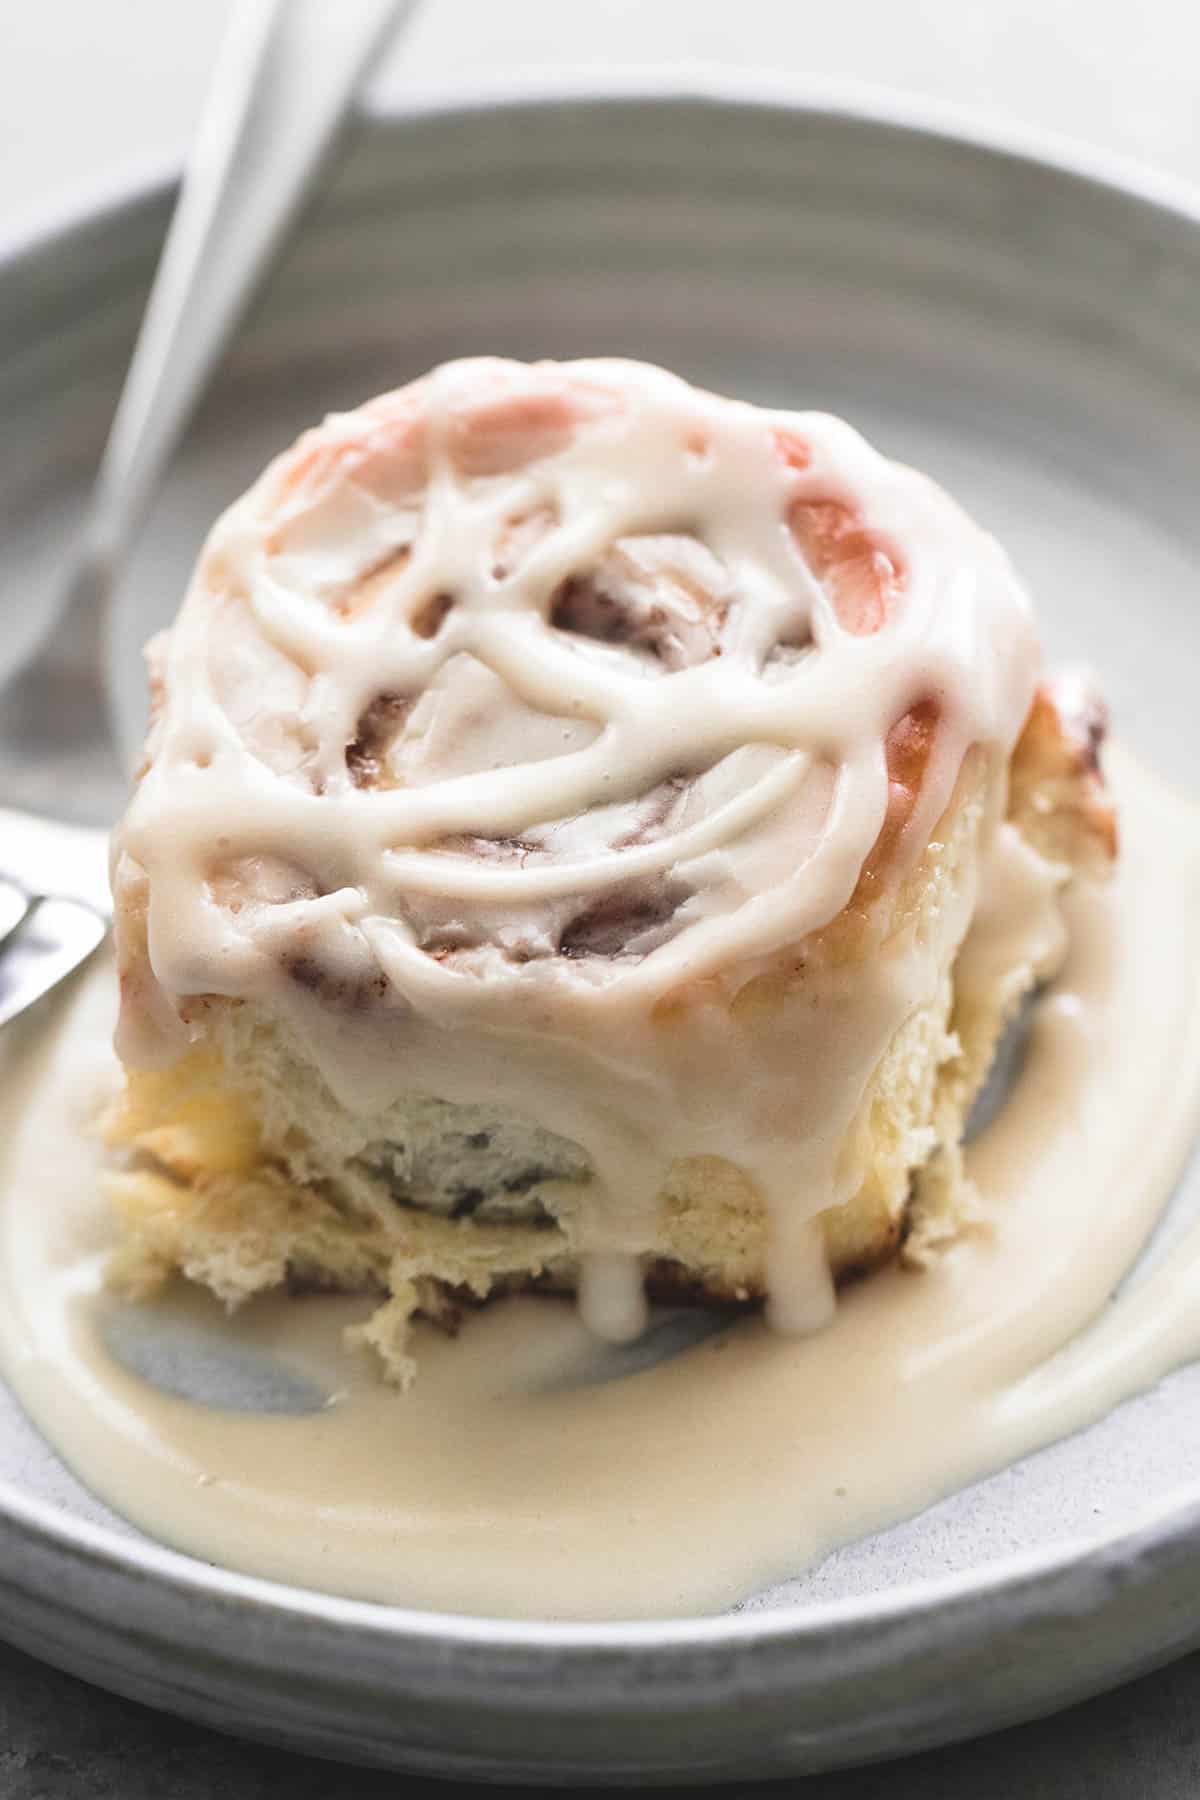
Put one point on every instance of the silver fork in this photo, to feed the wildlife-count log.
(286, 75)
(54, 918)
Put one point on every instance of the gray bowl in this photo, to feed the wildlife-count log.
(1017, 320)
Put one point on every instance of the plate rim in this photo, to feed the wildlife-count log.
(1052, 1574)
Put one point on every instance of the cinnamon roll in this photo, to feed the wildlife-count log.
(558, 859)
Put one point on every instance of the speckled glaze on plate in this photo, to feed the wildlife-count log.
(1017, 318)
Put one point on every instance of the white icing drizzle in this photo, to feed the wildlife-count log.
(518, 708)
(612, 1299)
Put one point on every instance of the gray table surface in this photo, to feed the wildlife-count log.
(90, 92)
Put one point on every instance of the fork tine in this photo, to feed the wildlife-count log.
(56, 937)
(14, 905)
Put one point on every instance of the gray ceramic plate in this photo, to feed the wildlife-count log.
(1022, 324)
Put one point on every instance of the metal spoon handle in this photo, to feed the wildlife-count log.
(286, 74)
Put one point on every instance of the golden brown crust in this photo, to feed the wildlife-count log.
(1057, 796)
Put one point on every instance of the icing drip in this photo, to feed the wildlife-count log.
(612, 1301)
